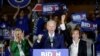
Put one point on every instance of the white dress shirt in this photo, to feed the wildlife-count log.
(51, 35)
(74, 49)
(51, 38)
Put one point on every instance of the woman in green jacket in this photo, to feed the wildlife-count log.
(19, 46)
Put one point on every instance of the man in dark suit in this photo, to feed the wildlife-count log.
(78, 47)
(49, 39)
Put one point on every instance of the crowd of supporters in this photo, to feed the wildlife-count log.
(20, 36)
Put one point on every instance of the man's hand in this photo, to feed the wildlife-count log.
(29, 8)
(63, 18)
(30, 12)
(39, 38)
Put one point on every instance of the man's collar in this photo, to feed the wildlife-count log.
(51, 34)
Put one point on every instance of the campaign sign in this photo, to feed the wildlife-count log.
(52, 8)
(78, 17)
(50, 52)
(20, 3)
(88, 26)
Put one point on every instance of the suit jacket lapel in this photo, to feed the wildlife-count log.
(79, 47)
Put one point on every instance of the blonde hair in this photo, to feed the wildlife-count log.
(18, 29)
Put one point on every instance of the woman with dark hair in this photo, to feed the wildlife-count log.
(77, 47)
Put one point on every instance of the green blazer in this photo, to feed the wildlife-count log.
(14, 48)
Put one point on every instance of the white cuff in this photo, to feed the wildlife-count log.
(62, 26)
(38, 41)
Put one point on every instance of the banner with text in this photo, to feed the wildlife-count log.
(54, 8)
(50, 52)
(88, 26)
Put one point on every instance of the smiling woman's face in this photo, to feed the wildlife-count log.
(75, 34)
(18, 34)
